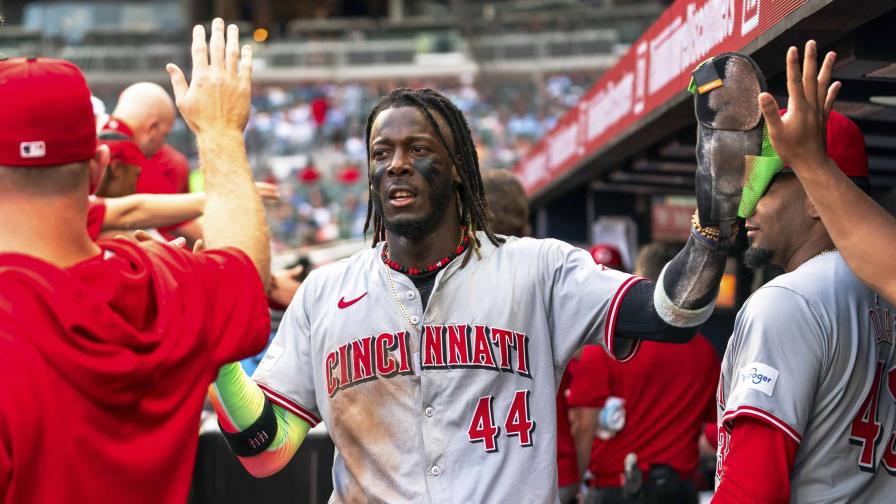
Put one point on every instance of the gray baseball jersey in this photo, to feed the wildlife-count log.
(457, 404)
(812, 354)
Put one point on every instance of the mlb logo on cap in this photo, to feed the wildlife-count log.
(47, 117)
(32, 149)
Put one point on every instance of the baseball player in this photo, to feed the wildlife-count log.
(107, 347)
(837, 200)
(434, 357)
(806, 396)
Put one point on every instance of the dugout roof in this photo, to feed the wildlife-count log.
(634, 131)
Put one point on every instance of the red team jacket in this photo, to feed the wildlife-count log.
(669, 393)
(166, 172)
(105, 367)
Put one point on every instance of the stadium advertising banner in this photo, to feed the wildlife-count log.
(656, 67)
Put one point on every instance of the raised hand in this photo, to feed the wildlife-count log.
(799, 135)
(216, 106)
(218, 97)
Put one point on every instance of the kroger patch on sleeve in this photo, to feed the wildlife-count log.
(271, 357)
(759, 376)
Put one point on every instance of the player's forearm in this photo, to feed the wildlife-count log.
(639, 319)
(239, 402)
(672, 309)
(686, 290)
(152, 210)
(582, 423)
(234, 215)
(839, 201)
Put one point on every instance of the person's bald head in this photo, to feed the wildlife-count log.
(149, 111)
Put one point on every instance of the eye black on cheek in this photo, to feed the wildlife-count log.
(429, 168)
(377, 170)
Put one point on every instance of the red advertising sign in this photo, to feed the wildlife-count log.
(671, 221)
(654, 69)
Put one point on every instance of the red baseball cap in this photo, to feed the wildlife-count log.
(125, 151)
(845, 145)
(606, 254)
(118, 136)
(116, 125)
(47, 117)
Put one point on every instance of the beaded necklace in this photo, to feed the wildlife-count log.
(461, 247)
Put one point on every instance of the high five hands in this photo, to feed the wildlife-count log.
(799, 135)
(218, 97)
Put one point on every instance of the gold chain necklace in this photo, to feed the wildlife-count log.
(395, 295)
(397, 298)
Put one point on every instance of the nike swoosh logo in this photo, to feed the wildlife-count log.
(345, 304)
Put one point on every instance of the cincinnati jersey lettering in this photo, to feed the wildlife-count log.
(450, 346)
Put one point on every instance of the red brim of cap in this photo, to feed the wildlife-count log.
(125, 151)
(845, 144)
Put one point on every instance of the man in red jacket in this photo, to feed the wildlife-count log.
(143, 117)
(107, 348)
(668, 393)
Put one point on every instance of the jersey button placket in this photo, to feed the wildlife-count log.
(429, 411)
(435, 470)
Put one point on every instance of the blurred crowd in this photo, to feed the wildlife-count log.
(121, 337)
(309, 140)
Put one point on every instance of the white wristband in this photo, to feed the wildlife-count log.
(675, 315)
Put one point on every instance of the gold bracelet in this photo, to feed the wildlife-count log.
(710, 233)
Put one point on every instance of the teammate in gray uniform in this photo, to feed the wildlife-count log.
(434, 357)
(806, 396)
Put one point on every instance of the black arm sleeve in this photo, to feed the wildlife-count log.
(692, 277)
(638, 318)
(690, 282)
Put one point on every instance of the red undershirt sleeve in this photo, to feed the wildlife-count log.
(745, 481)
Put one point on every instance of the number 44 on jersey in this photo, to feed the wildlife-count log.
(517, 422)
(867, 431)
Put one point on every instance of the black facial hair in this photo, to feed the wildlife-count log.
(758, 258)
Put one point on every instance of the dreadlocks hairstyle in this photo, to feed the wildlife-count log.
(474, 207)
